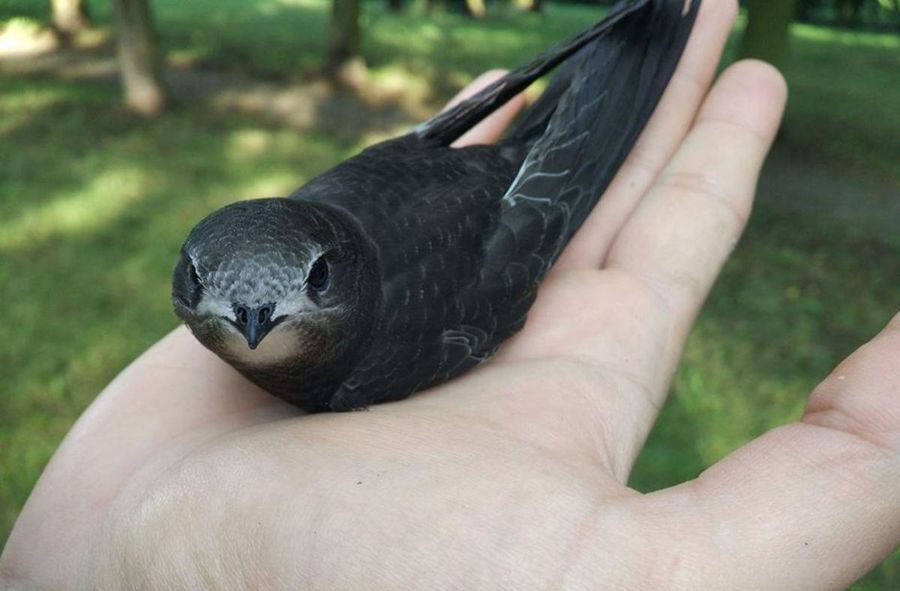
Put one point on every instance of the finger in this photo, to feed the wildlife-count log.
(664, 132)
(633, 316)
(491, 128)
(673, 246)
(815, 504)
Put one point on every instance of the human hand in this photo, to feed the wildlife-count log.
(182, 475)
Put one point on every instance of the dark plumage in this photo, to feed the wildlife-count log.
(412, 262)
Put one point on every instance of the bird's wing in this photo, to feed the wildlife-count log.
(442, 315)
(619, 81)
(615, 87)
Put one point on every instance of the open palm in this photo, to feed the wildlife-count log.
(182, 475)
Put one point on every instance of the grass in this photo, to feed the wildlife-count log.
(94, 205)
(842, 110)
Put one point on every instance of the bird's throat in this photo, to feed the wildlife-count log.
(277, 348)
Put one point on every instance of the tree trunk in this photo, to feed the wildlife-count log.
(139, 59)
(849, 12)
(69, 17)
(343, 47)
(768, 30)
(530, 5)
(476, 8)
(395, 5)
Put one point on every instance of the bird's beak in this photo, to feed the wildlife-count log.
(254, 332)
(254, 323)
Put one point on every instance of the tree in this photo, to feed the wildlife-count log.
(343, 47)
(395, 5)
(139, 60)
(69, 17)
(805, 9)
(475, 8)
(768, 30)
(530, 5)
(849, 12)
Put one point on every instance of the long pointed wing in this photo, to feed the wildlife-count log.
(594, 127)
(449, 125)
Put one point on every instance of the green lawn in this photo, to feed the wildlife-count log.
(94, 205)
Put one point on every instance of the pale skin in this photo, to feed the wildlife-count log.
(182, 475)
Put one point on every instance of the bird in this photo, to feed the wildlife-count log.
(411, 262)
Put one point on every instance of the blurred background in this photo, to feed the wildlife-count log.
(123, 122)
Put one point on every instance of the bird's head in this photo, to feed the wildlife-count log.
(270, 281)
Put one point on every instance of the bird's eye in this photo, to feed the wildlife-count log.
(318, 275)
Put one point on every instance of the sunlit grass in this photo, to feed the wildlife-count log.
(94, 205)
(846, 37)
(83, 211)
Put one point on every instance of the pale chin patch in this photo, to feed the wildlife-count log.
(277, 346)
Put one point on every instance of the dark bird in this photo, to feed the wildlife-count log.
(413, 261)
